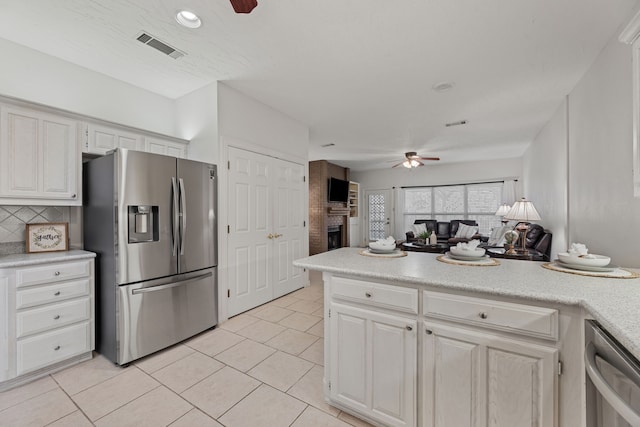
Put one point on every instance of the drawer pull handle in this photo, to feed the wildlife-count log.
(56, 317)
(409, 328)
(483, 315)
(428, 331)
(367, 294)
(57, 293)
(57, 273)
(56, 348)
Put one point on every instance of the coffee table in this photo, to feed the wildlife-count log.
(438, 248)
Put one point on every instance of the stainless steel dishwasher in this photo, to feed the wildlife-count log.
(613, 380)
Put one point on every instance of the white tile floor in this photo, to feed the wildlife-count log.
(261, 368)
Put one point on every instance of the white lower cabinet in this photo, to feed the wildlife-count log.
(475, 378)
(373, 363)
(47, 318)
(471, 362)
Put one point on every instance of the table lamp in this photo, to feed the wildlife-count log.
(502, 211)
(523, 210)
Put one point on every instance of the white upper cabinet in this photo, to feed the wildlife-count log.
(39, 158)
(102, 139)
(165, 146)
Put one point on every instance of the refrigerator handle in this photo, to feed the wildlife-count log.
(174, 240)
(183, 214)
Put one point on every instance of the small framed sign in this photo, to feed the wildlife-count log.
(47, 237)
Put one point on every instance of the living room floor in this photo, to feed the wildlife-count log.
(260, 368)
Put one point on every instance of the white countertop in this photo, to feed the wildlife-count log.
(615, 303)
(21, 260)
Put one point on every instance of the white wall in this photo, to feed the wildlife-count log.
(603, 212)
(243, 118)
(33, 76)
(578, 171)
(436, 174)
(545, 184)
(197, 121)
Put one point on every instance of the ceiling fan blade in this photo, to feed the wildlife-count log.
(243, 6)
(428, 158)
(396, 165)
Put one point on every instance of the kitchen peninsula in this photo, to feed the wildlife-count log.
(412, 340)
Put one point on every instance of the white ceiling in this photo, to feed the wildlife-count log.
(359, 73)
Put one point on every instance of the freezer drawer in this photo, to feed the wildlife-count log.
(156, 314)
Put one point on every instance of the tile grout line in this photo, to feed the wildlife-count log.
(72, 401)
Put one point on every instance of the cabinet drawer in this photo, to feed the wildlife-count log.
(52, 316)
(51, 347)
(387, 296)
(51, 293)
(29, 276)
(517, 318)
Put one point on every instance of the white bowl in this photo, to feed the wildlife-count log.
(383, 246)
(467, 252)
(592, 261)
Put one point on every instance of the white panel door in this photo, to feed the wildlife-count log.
(473, 378)
(250, 245)
(288, 224)
(373, 359)
(266, 228)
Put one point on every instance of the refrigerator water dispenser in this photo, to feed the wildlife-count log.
(143, 223)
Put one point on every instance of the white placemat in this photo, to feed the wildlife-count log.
(618, 273)
(484, 262)
(397, 253)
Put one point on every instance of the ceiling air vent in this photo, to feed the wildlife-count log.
(157, 44)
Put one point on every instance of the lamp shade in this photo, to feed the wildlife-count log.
(523, 210)
(503, 210)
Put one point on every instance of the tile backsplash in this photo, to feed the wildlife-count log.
(14, 218)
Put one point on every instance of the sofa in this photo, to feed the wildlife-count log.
(538, 244)
(445, 230)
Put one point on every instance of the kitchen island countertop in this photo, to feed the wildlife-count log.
(615, 303)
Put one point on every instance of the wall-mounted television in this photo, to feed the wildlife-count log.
(338, 190)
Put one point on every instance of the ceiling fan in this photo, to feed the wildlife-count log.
(412, 160)
(243, 6)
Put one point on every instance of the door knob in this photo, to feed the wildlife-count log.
(409, 328)
(277, 235)
(270, 236)
(483, 315)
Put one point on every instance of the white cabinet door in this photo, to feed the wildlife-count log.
(266, 228)
(373, 364)
(473, 378)
(102, 139)
(166, 147)
(40, 157)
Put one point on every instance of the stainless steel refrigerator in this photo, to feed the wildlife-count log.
(151, 220)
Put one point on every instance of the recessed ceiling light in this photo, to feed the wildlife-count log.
(188, 19)
(443, 86)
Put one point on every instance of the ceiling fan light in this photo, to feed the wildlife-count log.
(407, 164)
(414, 163)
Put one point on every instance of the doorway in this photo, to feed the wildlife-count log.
(378, 214)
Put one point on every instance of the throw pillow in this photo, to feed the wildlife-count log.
(497, 235)
(418, 229)
(466, 231)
